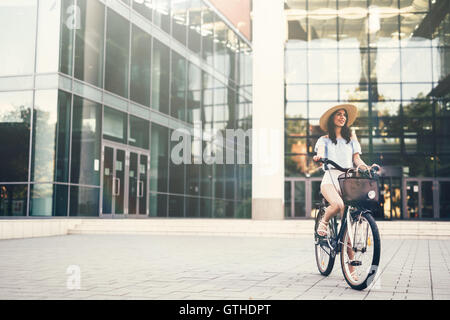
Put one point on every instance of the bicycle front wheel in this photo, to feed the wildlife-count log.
(359, 262)
(325, 256)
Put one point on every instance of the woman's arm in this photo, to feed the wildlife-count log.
(356, 158)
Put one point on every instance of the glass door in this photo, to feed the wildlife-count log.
(138, 183)
(113, 181)
(125, 180)
(422, 199)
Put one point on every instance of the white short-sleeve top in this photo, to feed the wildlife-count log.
(341, 153)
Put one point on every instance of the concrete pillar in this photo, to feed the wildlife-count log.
(268, 110)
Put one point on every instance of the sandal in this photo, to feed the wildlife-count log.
(322, 229)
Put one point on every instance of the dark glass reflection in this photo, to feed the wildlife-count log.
(66, 38)
(115, 125)
(158, 205)
(179, 19)
(195, 25)
(15, 119)
(117, 53)
(178, 89)
(13, 200)
(89, 42)
(50, 150)
(84, 202)
(176, 206)
(139, 132)
(140, 66)
(160, 77)
(48, 200)
(86, 137)
(159, 158)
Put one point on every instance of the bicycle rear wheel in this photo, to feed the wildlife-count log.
(325, 256)
(360, 263)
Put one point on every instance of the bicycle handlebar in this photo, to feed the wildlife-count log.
(327, 161)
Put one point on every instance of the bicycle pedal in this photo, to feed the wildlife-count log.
(355, 263)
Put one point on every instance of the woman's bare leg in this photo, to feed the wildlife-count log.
(334, 199)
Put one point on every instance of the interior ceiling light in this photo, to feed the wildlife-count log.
(349, 13)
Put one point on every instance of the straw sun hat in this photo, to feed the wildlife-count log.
(352, 112)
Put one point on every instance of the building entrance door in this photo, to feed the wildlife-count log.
(421, 199)
(125, 181)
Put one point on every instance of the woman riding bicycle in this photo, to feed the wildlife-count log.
(341, 146)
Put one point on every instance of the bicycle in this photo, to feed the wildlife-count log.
(358, 233)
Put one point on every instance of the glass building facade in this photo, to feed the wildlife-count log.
(90, 94)
(391, 59)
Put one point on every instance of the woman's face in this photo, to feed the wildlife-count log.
(340, 118)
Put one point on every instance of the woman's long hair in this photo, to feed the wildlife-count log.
(345, 131)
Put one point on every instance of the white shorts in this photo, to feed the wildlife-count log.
(333, 179)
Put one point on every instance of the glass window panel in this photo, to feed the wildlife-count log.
(299, 196)
(206, 208)
(89, 42)
(386, 145)
(352, 26)
(383, 26)
(17, 36)
(219, 209)
(299, 166)
(418, 126)
(48, 200)
(159, 158)
(323, 92)
(179, 19)
(387, 126)
(230, 179)
(50, 150)
(114, 125)
(350, 63)
(296, 110)
(144, 7)
(414, 30)
(117, 53)
(418, 166)
(323, 66)
(158, 205)
(178, 96)
(192, 207)
(176, 171)
(444, 199)
(353, 92)
(86, 140)
(221, 62)
(67, 35)
(13, 200)
(385, 109)
(139, 132)
(295, 67)
(15, 119)
(48, 36)
(194, 94)
(296, 128)
(207, 33)
(443, 166)
(418, 109)
(316, 109)
(441, 63)
(176, 206)
(195, 25)
(160, 77)
(387, 91)
(140, 66)
(161, 15)
(296, 145)
(443, 126)
(386, 66)
(206, 180)
(84, 202)
(323, 26)
(297, 92)
(287, 199)
(415, 90)
(441, 36)
(416, 65)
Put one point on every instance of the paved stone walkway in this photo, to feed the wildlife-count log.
(202, 267)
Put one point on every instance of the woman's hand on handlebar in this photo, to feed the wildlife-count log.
(317, 158)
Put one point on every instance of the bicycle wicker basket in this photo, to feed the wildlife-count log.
(359, 188)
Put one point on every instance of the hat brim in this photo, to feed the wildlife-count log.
(352, 113)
